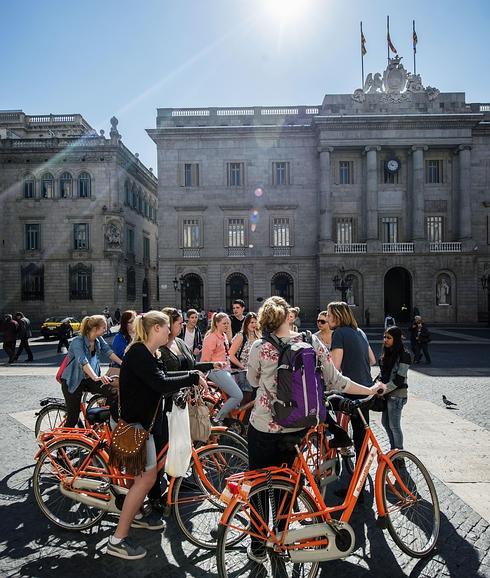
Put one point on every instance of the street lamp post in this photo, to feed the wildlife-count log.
(485, 283)
(178, 286)
(340, 283)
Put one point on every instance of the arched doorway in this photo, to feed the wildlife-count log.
(398, 294)
(236, 288)
(192, 293)
(282, 285)
(145, 294)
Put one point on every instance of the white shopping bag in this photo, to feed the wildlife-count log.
(179, 442)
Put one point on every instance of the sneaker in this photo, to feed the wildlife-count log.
(259, 556)
(126, 549)
(150, 521)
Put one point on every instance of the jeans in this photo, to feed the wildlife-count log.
(391, 420)
(74, 399)
(242, 382)
(24, 344)
(422, 347)
(225, 381)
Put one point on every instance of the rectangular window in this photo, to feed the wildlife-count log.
(280, 173)
(32, 278)
(433, 172)
(29, 186)
(80, 236)
(389, 229)
(146, 248)
(80, 282)
(236, 232)
(346, 172)
(191, 175)
(235, 174)
(191, 236)
(33, 237)
(435, 229)
(281, 232)
(390, 178)
(345, 231)
(130, 240)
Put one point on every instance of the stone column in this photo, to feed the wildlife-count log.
(464, 206)
(418, 180)
(325, 195)
(371, 227)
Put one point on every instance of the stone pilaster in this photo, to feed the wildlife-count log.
(372, 192)
(464, 205)
(418, 180)
(325, 195)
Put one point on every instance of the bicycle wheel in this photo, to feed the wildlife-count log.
(234, 538)
(197, 508)
(65, 512)
(97, 400)
(227, 438)
(51, 416)
(413, 518)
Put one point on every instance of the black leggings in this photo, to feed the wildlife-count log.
(74, 399)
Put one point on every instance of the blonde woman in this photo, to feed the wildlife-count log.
(142, 382)
(265, 437)
(324, 332)
(83, 370)
(215, 347)
(240, 350)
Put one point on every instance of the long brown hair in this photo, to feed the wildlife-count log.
(342, 313)
(125, 319)
(246, 322)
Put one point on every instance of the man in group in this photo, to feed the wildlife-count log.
(238, 316)
(9, 329)
(23, 333)
(191, 333)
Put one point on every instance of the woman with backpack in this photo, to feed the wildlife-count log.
(270, 444)
(394, 363)
(240, 350)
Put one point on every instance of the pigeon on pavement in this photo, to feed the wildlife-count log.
(448, 403)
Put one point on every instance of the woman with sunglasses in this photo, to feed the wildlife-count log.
(324, 332)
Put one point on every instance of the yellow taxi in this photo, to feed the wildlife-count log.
(50, 327)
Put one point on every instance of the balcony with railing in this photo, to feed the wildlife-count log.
(350, 248)
(397, 247)
(238, 252)
(451, 247)
(281, 251)
(191, 252)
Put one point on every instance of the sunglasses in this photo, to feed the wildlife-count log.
(321, 321)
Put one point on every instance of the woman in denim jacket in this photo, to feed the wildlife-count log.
(82, 372)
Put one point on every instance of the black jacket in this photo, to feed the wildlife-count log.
(197, 337)
(143, 380)
(187, 362)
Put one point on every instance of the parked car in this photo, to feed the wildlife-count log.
(50, 327)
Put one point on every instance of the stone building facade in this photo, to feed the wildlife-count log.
(78, 220)
(390, 185)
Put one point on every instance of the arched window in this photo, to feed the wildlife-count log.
(131, 284)
(192, 292)
(29, 187)
(66, 185)
(84, 186)
(32, 280)
(80, 281)
(236, 288)
(282, 285)
(47, 186)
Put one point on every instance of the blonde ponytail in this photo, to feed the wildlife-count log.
(90, 322)
(143, 324)
(215, 319)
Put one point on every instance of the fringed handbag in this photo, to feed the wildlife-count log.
(128, 445)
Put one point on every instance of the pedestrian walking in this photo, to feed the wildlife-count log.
(64, 332)
(117, 316)
(422, 340)
(389, 321)
(9, 336)
(24, 332)
(394, 364)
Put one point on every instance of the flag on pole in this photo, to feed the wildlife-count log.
(415, 40)
(363, 44)
(390, 44)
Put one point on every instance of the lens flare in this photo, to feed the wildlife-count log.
(259, 191)
(253, 228)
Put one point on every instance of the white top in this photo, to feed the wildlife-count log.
(189, 338)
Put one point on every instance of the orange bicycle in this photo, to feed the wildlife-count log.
(278, 524)
(75, 486)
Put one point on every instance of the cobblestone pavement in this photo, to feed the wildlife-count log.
(29, 546)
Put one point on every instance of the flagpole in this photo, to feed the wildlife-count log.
(387, 36)
(362, 58)
(414, 48)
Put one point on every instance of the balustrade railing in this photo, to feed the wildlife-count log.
(191, 253)
(451, 247)
(350, 248)
(397, 247)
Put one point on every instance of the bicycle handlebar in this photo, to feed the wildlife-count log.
(346, 405)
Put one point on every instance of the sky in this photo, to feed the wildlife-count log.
(102, 58)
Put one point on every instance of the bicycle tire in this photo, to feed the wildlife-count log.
(58, 508)
(232, 559)
(97, 400)
(226, 438)
(197, 512)
(408, 520)
(51, 416)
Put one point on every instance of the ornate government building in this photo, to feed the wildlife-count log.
(391, 183)
(78, 225)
